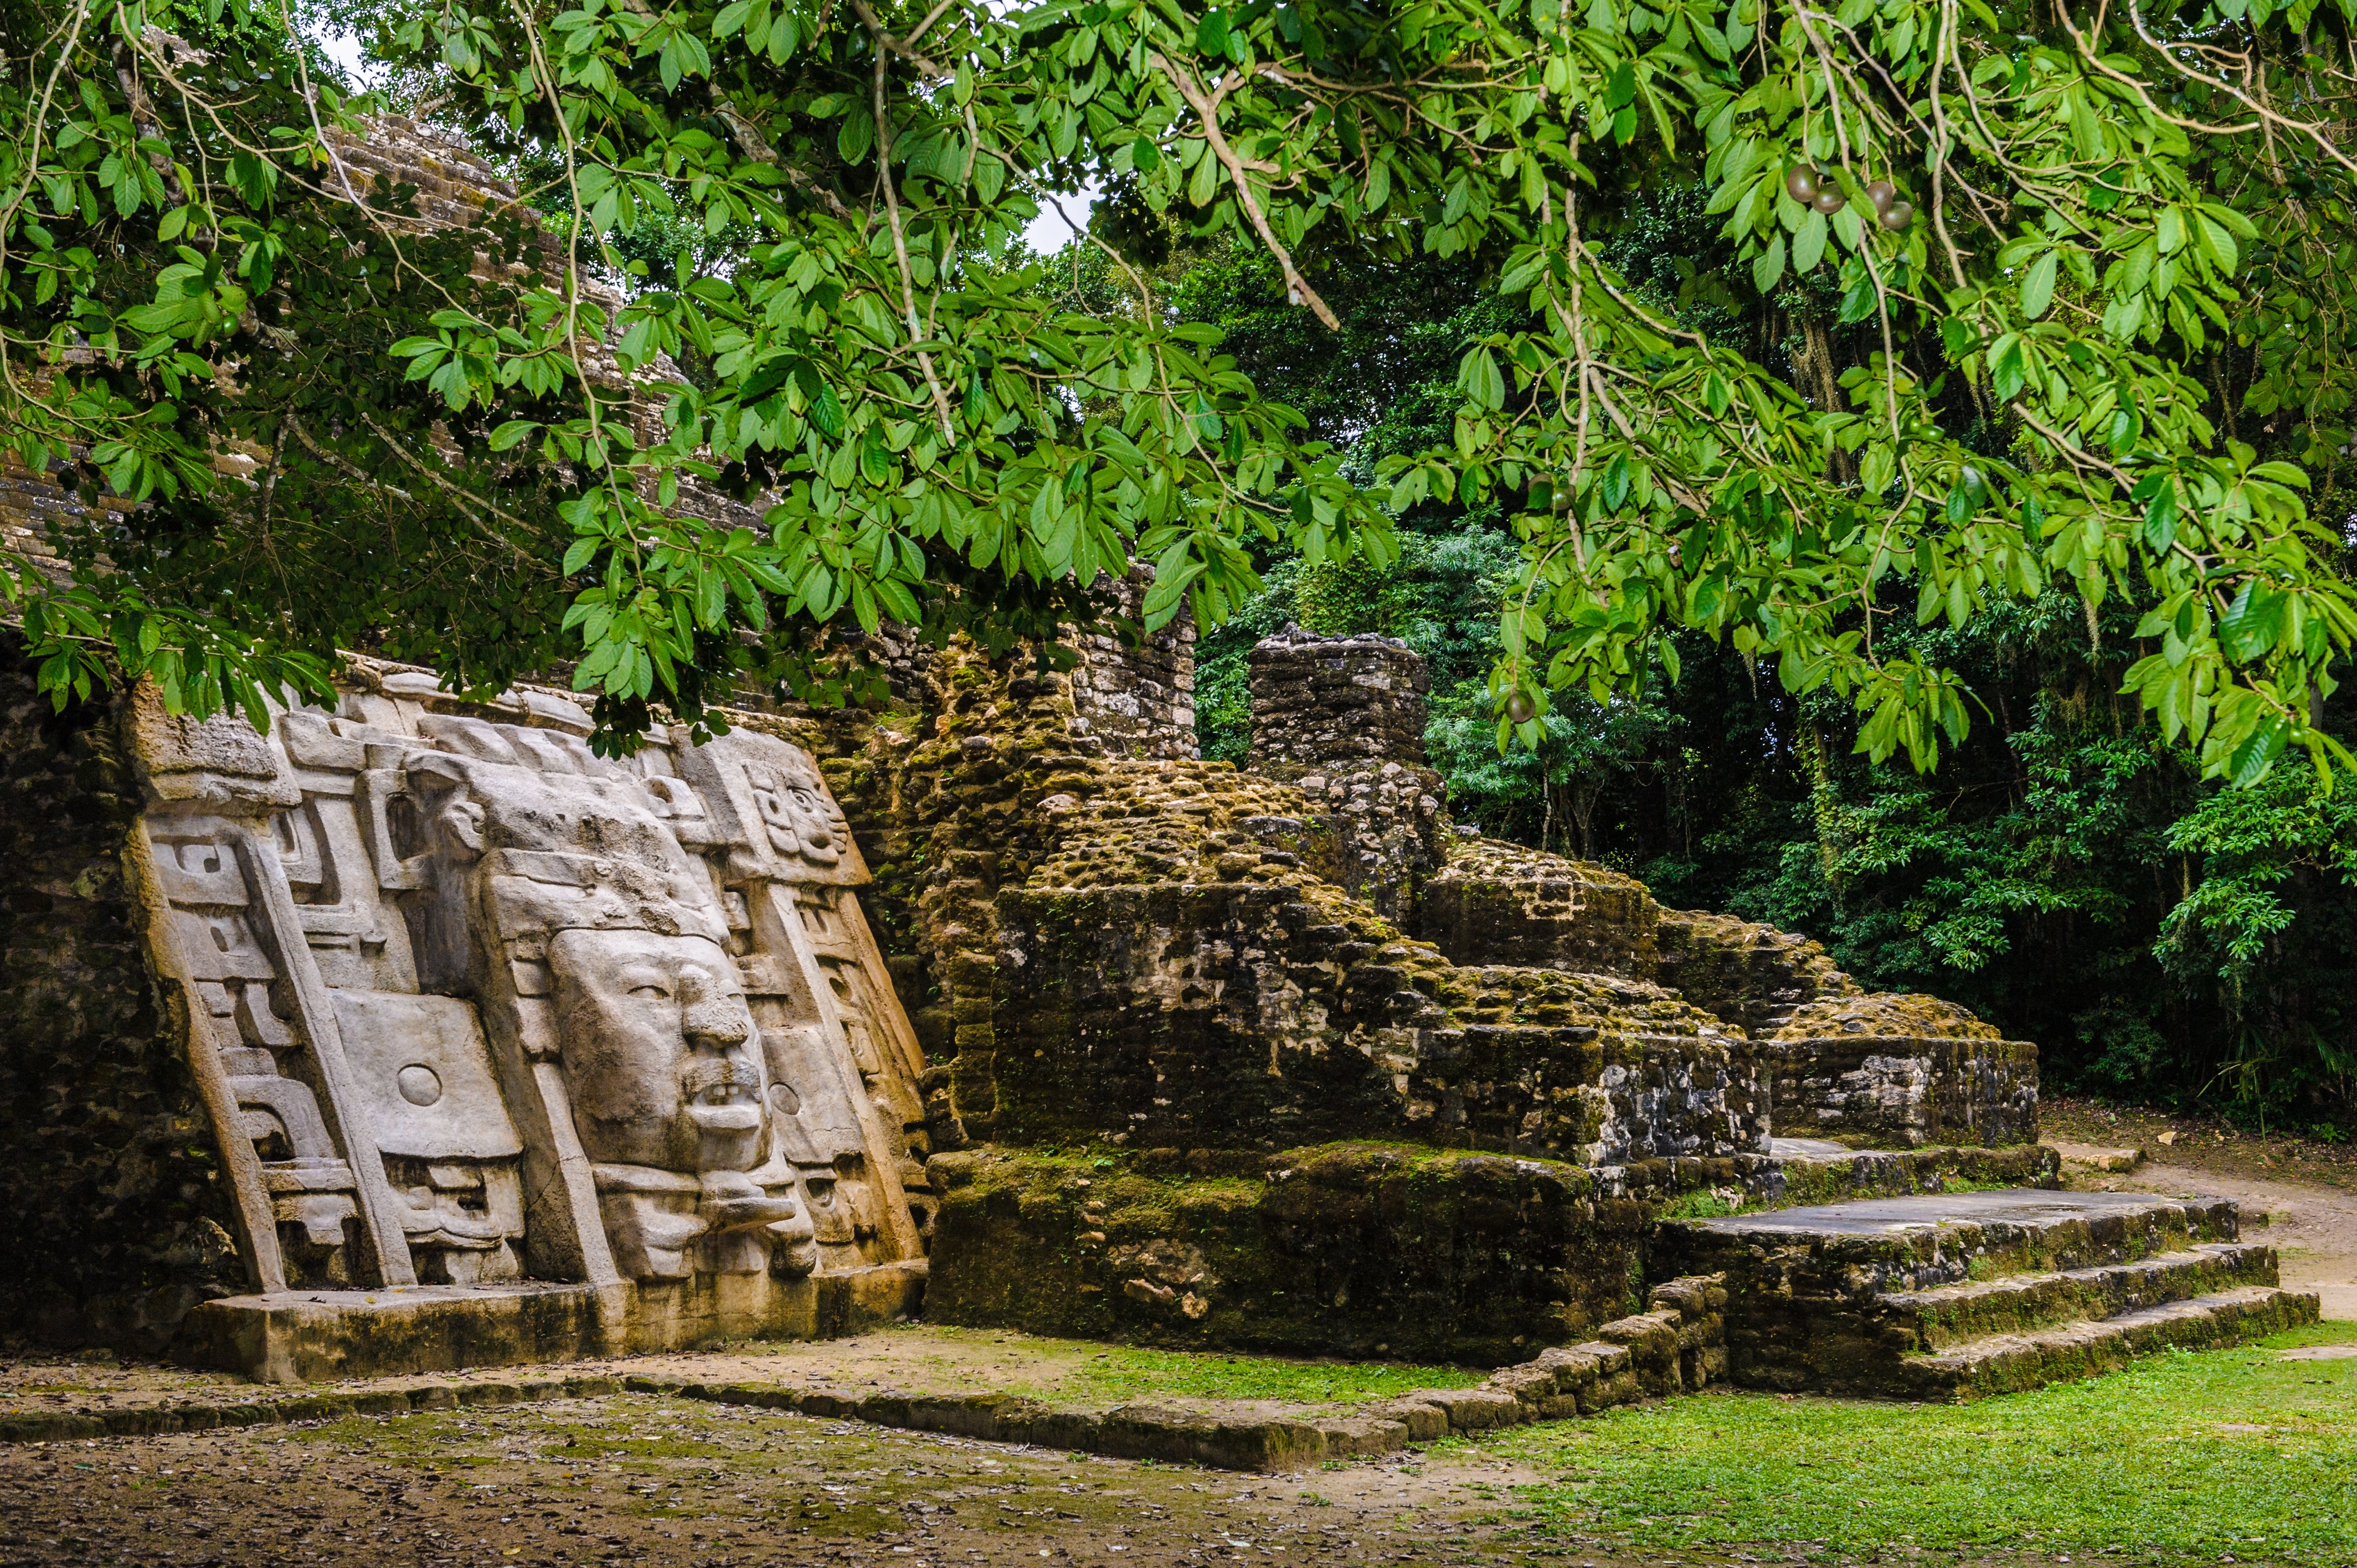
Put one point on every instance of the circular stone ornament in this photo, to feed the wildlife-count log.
(419, 1084)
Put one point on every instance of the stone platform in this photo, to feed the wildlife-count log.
(324, 1335)
(1953, 1295)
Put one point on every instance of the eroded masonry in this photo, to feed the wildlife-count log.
(411, 1035)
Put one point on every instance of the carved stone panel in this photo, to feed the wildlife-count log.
(508, 1010)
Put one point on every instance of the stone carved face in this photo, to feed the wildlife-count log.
(798, 815)
(660, 1051)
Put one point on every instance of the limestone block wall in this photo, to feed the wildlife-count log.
(1333, 699)
(1255, 1015)
(1500, 903)
(1138, 699)
(1754, 976)
(1887, 1070)
(1369, 1249)
(1342, 718)
(114, 1216)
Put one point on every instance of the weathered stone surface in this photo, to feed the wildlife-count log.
(471, 1005)
(1365, 1250)
(1136, 695)
(1494, 903)
(1343, 718)
(1847, 1297)
(113, 1215)
(1905, 1091)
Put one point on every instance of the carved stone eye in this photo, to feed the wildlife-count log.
(419, 1084)
(646, 982)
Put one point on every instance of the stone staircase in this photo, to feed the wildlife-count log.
(1954, 1297)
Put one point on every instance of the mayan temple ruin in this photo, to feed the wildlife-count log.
(412, 1034)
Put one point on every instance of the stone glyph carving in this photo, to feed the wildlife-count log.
(473, 1006)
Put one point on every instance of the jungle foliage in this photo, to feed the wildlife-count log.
(2065, 871)
(2050, 223)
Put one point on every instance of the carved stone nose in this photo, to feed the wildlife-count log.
(709, 1015)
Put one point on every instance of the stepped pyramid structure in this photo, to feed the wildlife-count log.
(413, 1035)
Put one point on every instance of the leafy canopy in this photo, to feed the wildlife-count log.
(814, 209)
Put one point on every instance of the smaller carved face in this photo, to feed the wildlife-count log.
(797, 815)
(660, 1051)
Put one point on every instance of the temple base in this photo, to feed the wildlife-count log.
(298, 1336)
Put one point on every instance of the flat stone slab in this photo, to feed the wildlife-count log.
(2099, 1156)
(1808, 1149)
(328, 1336)
(2029, 1208)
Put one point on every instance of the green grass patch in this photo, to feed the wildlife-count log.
(1121, 1374)
(2181, 1456)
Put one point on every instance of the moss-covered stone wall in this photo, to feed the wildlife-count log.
(113, 1218)
(1366, 1249)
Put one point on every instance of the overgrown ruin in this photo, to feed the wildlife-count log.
(411, 1035)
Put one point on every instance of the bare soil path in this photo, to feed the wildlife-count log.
(639, 1478)
(2297, 1194)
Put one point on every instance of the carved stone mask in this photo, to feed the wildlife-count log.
(797, 816)
(659, 1050)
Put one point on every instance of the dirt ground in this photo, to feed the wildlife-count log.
(643, 1479)
(2300, 1195)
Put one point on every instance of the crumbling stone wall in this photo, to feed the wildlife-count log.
(1372, 1249)
(1259, 1013)
(114, 1216)
(1342, 718)
(1754, 976)
(1500, 903)
(1888, 1070)
(1138, 699)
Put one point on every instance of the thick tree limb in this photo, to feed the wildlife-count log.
(1208, 111)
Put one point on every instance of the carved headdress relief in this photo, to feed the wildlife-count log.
(473, 1005)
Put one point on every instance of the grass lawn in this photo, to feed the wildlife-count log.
(2226, 1454)
(1120, 1374)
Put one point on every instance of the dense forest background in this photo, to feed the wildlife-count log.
(2065, 871)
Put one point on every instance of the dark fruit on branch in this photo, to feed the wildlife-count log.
(1801, 185)
(1897, 216)
(1882, 193)
(1829, 200)
(1520, 709)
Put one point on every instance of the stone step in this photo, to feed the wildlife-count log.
(1952, 1316)
(2009, 1363)
(1810, 1290)
(1860, 1250)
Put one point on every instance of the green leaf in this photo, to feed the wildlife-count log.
(2037, 285)
(2252, 623)
(855, 136)
(1482, 382)
(826, 412)
(1767, 268)
(2161, 519)
(1808, 242)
